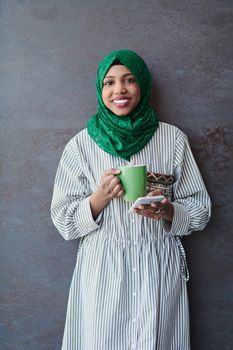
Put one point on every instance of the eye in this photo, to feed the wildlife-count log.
(130, 80)
(108, 82)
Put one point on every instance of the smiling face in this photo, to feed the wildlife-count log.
(121, 92)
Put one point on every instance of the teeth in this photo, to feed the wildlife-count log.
(120, 101)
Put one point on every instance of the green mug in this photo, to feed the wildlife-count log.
(133, 179)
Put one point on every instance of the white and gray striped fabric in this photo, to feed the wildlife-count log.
(128, 289)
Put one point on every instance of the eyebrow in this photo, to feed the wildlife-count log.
(112, 76)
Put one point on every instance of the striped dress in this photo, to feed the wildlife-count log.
(128, 289)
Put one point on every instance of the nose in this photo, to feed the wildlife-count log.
(119, 87)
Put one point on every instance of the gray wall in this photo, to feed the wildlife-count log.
(49, 52)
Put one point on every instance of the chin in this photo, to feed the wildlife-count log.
(121, 114)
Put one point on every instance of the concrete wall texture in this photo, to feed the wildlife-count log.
(49, 52)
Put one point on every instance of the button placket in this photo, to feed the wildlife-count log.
(134, 295)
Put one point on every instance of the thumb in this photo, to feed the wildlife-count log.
(116, 171)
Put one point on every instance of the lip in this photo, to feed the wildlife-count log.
(121, 101)
(121, 97)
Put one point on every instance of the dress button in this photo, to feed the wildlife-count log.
(134, 269)
(134, 320)
(134, 294)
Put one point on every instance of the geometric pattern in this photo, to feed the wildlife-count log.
(163, 182)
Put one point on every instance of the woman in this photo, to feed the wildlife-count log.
(129, 285)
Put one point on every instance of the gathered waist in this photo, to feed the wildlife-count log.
(165, 241)
(103, 236)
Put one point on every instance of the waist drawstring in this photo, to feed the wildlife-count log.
(183, 261)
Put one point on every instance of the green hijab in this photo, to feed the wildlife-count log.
(123, 136)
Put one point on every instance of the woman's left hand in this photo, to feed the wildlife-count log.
(162, 210)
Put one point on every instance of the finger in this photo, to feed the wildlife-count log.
(145, 206)
(155, 193)
(162, 206)
(165, 201)
(116, 171)
(109, 180)
(114, 186)
(120, 193)
(148, 211)
(117, 191)
(160, 209)
(113, 181)
(156, 205)
(151, 215)
(112, 171)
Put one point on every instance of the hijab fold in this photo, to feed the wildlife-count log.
(124, 136)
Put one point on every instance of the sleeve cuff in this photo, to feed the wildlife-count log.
(84, 220)
(180, 223)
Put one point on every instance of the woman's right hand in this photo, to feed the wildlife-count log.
(110, 184)
(109, 188)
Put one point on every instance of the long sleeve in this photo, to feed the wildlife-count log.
(70, 207)
(192, 206)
